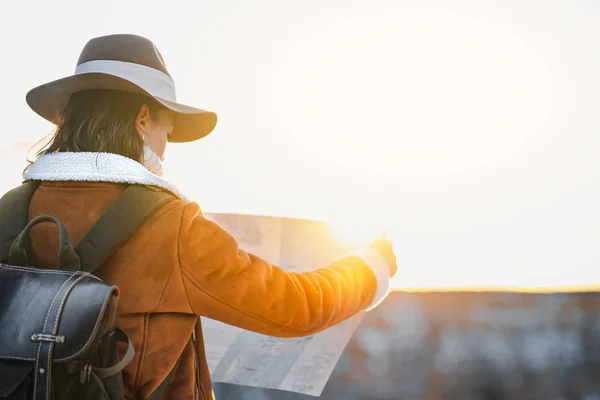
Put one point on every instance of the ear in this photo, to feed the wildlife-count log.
(142, 120)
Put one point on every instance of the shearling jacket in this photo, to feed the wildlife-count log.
(179, 265)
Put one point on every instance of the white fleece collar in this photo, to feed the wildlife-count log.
(95, 167)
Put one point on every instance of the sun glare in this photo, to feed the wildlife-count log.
(414, 93)
(356, 232)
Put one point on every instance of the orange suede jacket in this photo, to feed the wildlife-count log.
(179, 266)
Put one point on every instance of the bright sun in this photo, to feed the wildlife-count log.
(409, 95)
(356, 231)
(413, 93)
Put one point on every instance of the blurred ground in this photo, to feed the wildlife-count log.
(466, 346)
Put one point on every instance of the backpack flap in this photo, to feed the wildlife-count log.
(50, 306)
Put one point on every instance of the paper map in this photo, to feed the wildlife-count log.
(301, 365)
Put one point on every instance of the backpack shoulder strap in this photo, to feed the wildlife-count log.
(120, 220)
(14, 215)
(162, 388)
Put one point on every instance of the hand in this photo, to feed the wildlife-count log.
(384, 247)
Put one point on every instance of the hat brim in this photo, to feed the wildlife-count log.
(49, 100)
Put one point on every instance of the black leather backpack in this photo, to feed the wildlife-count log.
(58, 338)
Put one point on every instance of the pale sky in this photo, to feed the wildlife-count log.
(466, 129)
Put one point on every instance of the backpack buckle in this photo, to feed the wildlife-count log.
(85, 373)
(43, 337)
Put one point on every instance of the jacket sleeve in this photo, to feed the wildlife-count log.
(225, 283)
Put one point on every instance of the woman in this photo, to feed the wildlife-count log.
(114, 118)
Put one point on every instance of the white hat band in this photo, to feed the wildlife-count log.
(153, 81)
